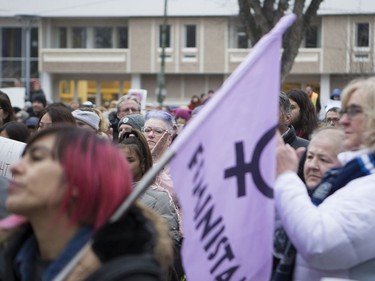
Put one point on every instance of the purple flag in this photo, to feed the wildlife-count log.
(224, 169)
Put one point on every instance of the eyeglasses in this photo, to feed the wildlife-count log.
(157, 131)
(332, 120)
(352, 111)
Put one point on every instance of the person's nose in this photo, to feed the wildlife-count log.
(344, 120)
(312, 164)
(150, 134)
(17, 167)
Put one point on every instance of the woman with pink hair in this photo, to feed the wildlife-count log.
(65, 188)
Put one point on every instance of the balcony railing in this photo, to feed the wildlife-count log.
(84, 60)
(307, 60)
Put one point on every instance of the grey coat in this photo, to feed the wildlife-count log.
(161, 202)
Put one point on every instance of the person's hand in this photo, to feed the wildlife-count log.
(287, 158)
(160, 147)
(109, 133)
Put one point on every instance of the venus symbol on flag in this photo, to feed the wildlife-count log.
(253, 167)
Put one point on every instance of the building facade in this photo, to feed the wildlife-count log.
(99, 58)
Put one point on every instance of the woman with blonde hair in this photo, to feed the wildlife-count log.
(333, 231)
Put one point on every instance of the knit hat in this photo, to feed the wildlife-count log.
(336, 93)
(88, 117)
(182, 113)
(40, 98)
(88, 104)
(32, 122)
(136, 121)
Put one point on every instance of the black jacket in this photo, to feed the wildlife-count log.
(290, 137)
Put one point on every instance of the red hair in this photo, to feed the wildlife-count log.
(97, 176)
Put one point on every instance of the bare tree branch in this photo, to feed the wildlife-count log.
(259, 20)
(311, 11)
(247, 18)
(281, 8)
(268, 11)
(259, 16)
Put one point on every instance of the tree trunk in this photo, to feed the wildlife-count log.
(259, 20)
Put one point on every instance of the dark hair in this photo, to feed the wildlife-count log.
(6, 105)
(193, 97)
(16, 131)
(334, 109)
(308, 120)
(137, 142)
(59, 113)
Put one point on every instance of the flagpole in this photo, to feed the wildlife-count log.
(145, 182)
(141, 187)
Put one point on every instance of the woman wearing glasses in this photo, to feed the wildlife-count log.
(159, 131)
(334, 237)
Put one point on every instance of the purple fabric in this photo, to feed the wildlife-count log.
(228, 220)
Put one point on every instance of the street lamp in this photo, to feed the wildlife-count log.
(161, 94)
(27, 22)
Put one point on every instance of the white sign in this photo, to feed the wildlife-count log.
(10, 152)
(141, 96)
(16, 96)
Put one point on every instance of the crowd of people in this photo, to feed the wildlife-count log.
(81, 163)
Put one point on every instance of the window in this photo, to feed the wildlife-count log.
(12, 57)
(167, 36)
(122, 37)
(362, 35)
(237, 38)
(103, 37)
(79, 37)
(190, 36)
(312, 37)
(34, 42)
(242, 41)
(62, 37)
(12, 42)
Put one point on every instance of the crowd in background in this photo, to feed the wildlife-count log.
(69, 181)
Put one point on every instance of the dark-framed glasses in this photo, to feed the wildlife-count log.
(352, 111)
(334, 120)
